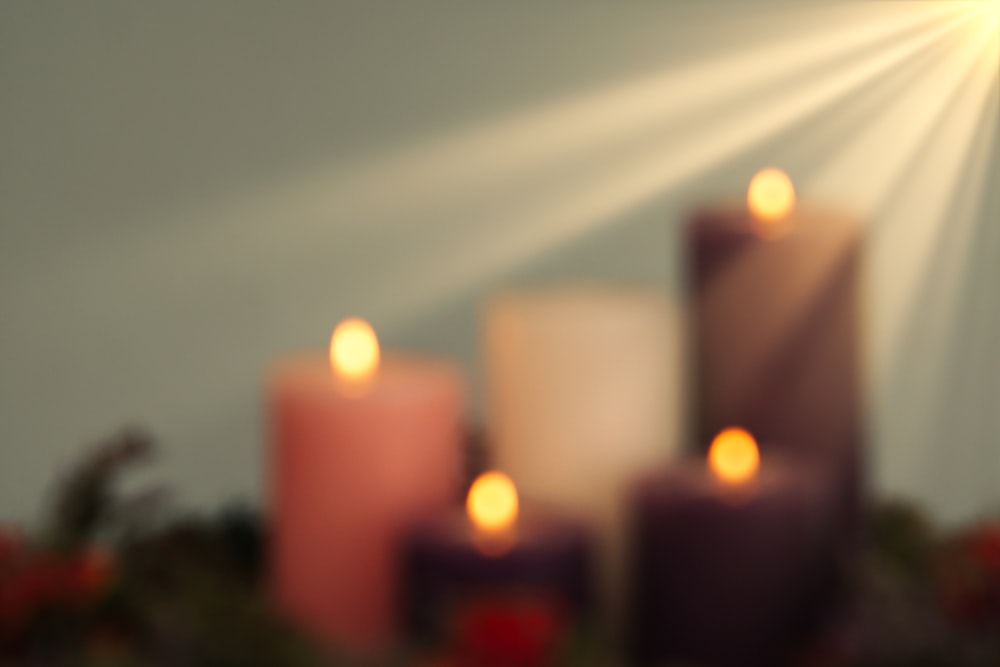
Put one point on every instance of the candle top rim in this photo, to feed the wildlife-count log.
(590, 294)
(735, 217)
(536, 528)
(397, 371)
(690, 477)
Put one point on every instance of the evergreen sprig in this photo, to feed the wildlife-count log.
(85, 502)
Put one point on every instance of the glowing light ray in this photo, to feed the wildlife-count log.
(903, 238)
(972, 367)
(963, 479)
(367, 194)
(486, 155)
(911, 388)
(860, 180)
(396, 188)
(943, 277)
(452, 173)
(825, 133)
(582, 207)
(941, 274)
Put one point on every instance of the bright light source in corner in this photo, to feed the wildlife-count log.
(990, 20)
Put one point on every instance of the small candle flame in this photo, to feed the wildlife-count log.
(771, 198)
(354, 350)
(733, 456)
(492, 503)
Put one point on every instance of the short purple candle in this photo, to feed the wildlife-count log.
(725, 572)
(453, 564)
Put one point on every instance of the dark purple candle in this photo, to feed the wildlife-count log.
(776, 308)
(487, 558)
(725, 571)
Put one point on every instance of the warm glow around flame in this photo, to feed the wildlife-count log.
(354, 350)
(733, 456)
(771, 198)
(492, 503)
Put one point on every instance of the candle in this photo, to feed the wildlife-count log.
(530, 568)
(360, 446)
(777, 348)
(725, 558)
(582, 391)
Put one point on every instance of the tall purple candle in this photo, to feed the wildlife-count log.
(777, 335)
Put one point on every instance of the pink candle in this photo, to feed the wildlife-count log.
(359, 450)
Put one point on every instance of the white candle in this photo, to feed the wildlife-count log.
(358, 451)
(583, 395)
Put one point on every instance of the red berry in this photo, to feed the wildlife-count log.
(508, 635)
(11, 547)
(27, 589)
(87, 575)
(986, 547)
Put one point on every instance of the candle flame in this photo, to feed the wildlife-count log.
(492, 503)
(771, 198)
(354, 350)
(733, 456)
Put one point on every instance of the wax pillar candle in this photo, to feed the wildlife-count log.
(355, 455)
(776, 332)
(526, 566)
(582, 395)
(725, 560)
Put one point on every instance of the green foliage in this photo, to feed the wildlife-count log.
(187, 591)
(190, 590)
(85, 503)
(902, 538)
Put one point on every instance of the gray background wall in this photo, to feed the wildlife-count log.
(179, 206)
